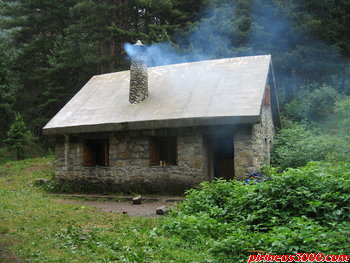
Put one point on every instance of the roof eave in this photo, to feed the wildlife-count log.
(153, 124)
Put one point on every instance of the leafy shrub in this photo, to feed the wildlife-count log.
(343, 111)
(341, 132)
(56, 186)
(297, 145)
(318, 191)
(301, 210)
(341, 149)
(304, 235)
(313, 103)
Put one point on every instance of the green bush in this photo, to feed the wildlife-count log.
(301, 210)
(304, 235)
(319, 191)
(341, 149)
(297, 145)
(313, 103)
(341, 132)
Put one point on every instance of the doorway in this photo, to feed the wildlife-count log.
(221, 157)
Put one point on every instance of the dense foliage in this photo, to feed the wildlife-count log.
(325, 137)
(49, 49)
(301, 210)
(297, 145)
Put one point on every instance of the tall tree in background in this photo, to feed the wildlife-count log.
(285, 30)
(59, 45)
(8, 87)
(35, 26)
(92, 42)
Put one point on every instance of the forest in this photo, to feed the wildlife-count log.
(50, 49)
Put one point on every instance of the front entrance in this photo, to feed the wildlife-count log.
(221, 157)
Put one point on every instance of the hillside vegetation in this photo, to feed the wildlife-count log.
(50, 49)
(301, 210)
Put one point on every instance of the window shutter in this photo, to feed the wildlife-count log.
(88, 154)
(153, 152)
(267, 99)
(106, 153)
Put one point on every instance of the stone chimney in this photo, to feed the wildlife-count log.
(138, 74)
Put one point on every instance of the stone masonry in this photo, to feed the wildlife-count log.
(253, 145)
(138, 75)
(129, 169)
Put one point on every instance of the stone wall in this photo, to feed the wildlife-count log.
(243, 151)
(129, 169)
(262, 139)
(253, 145)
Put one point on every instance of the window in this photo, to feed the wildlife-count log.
(162, 151)
(96, 153)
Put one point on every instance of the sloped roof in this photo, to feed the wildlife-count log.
(221, 91)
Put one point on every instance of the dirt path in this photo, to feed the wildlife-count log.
(147, 208)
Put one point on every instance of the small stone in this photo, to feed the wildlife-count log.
(122, 147)
(161, 210)
(242, 161)
(123, 155)
(137, 200)
(120, 163)
(247, 153)
(195, 164)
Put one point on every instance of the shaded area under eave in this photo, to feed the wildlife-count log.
(155, 124)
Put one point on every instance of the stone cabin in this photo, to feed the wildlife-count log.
(165, 129)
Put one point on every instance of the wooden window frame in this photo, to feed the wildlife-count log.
(96, 152)
(163, 151)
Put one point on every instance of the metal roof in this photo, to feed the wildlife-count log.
(222, 91)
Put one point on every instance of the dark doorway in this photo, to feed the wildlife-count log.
(221, 157)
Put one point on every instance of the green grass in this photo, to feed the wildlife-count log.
(39, 228)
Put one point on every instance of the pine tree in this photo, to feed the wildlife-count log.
(33, 27)
(8, 86)
(18, 136)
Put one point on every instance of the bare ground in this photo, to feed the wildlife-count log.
(147, 208)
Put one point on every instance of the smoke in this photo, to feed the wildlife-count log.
(210, 38)
(254, 27)
(157, 54)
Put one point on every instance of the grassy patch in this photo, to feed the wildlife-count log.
(42, 230)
